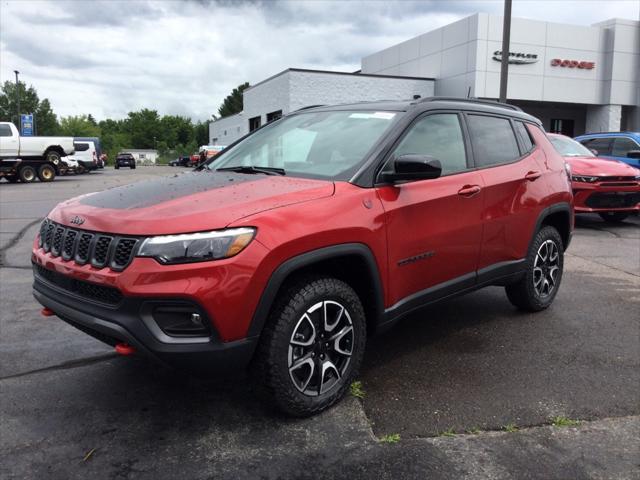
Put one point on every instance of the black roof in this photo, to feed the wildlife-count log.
(433, 103)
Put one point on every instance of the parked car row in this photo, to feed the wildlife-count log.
(205, 153)
(605, 178)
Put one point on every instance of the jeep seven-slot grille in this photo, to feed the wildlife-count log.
(84, 247)
(91, 291)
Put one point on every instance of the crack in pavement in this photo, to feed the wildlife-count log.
(590, 259)
(16, 238)
(83, 362)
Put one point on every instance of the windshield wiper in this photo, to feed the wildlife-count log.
(253, 169)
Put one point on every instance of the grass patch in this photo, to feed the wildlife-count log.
(474, 431)
(391, 438)
(561, 421)
(447, 433)
(356, 389)
(510, 427)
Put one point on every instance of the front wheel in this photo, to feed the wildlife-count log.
(613, 217)
(46, 173)
(312, 346)
(544, 265)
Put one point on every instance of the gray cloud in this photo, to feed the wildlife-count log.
(111, 57)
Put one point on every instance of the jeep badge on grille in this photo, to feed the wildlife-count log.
(77, 220)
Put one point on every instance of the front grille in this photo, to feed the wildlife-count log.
(617, 179)
(88, 290)
(613, 200)
(83, 247)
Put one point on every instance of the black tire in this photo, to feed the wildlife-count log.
(46, 173)
(116, 166)
(27, 174)
(53, 157)
(614, 217)
(285, 387)
(529, 293)
(133, 167)
(12, 179)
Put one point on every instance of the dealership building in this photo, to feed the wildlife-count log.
(575, 79)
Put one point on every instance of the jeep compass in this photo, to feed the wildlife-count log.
(309, 235)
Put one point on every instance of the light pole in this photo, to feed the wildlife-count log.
(506, 37)
(18, 101)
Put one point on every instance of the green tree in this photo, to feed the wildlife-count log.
(233, 103)
(78, 126)
(201, 132)
(45, 119)
(145, 128)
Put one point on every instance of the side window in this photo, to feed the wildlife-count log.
(81, 147)
(525, 136)
(493, 140)
(600, 145)
(440, 136)
(5, 131)
(622, 146)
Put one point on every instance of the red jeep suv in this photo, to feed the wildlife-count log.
(310, 234)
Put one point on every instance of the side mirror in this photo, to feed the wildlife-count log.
(413, 167)
(633, 154)
(594, 151)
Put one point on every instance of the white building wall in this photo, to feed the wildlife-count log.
(294, 89)
(459, 56)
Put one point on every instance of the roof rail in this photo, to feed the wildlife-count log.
(469, 100)
(309, 106)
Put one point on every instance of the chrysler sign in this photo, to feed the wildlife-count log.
(517, 58)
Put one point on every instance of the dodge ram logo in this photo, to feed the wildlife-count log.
(77, 220)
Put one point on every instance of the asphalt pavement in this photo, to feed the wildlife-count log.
(469, 388)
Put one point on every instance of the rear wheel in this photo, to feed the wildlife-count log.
(545, 261)
(53, 157)
(312, 346)
(46, 173)
(613, 217)
(116, 166)
(27, 174)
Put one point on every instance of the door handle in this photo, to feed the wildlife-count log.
(469, 190)
(532, 175)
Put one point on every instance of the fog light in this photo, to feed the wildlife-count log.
(180, 321)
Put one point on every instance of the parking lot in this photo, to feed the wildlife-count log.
(471, 386)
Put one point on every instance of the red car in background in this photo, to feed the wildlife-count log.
(607, 187)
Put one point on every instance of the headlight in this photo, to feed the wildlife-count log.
(584, 178)
(197, 247)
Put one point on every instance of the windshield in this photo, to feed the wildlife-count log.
(330, 145)
(568, 147)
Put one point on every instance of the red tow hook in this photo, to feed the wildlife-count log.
(124, 349)
(47, 312)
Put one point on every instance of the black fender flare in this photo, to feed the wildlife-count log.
(550, 210)
(306, 259)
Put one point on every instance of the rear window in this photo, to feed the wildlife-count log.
(622, 146)
(493, 140)
(524, 136)
(81, 147)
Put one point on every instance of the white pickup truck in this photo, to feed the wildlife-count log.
(25, 158)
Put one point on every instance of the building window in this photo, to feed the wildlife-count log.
(254, 123)
(562, 125)
(225, 133)
(274, 116)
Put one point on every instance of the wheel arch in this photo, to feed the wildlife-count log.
(353, 263)
(560, 217)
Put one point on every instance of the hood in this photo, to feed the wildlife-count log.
(599, 167)
(187, 202)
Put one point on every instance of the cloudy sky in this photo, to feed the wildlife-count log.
(110, 57)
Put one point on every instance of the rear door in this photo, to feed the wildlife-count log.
(434, 227)
(621, 148)
(511, 166)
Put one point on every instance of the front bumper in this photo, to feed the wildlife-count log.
(126, 323)
(608, 197)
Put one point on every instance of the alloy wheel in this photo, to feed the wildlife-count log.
(320, 348)
(546, 267)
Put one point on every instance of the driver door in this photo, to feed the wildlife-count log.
(434, 227)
